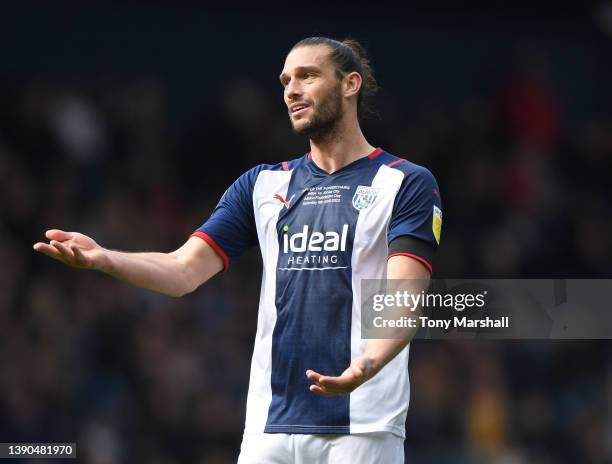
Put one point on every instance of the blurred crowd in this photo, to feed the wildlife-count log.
(132, 376)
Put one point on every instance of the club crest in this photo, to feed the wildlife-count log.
(364, 197)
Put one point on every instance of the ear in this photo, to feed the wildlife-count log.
(351, 83)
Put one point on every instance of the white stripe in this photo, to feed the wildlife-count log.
(310, 268)
(369, 261)
(266, 209)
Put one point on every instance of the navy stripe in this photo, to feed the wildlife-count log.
(314, 308)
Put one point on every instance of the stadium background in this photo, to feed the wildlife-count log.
(127, 121)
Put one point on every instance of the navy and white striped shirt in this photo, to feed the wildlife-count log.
(319, 235)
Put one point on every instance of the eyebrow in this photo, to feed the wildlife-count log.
(301, 69)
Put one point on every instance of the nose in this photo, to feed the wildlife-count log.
(293, 90)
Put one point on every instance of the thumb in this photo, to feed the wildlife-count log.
(59, 235)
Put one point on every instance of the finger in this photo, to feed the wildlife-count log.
(332, 382)
(79, 257)
(321, 391)
(329, 384)
(47, 249)
(312, 375)
(64, 251)
(56, 234)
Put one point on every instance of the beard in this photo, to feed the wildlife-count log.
(325, 118)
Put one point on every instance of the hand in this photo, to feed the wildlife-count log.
(360, 370)
(71, 248)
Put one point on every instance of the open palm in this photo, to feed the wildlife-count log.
(71, 248)
(357, 373)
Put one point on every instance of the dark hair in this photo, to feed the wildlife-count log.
(349, 56)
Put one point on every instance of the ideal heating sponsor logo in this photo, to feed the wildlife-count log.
(313, 250)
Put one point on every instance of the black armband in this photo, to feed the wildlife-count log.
(418, 249)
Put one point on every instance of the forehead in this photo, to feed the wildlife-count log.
(308, 55)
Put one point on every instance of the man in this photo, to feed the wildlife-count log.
(343, 212)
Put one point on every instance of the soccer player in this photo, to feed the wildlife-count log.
(343, 212)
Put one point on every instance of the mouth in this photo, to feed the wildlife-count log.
(298, 109)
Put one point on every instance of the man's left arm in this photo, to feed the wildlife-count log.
(378, 352)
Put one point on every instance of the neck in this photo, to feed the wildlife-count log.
(340, 147)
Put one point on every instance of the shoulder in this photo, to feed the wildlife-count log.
(247, 181)
(252, 174)
(295, 163)
(414, 174)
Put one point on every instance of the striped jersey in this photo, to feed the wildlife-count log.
(320, 234)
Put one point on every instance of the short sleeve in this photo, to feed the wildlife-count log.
(416, 220)
(230, 230)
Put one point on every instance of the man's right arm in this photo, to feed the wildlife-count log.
(174, 274)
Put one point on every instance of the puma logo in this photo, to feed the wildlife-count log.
(286, 203)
